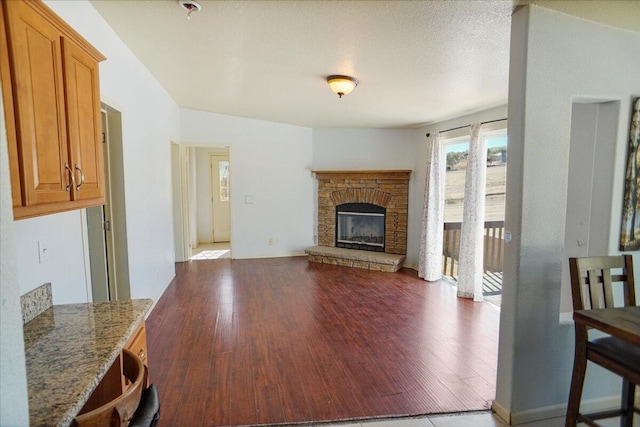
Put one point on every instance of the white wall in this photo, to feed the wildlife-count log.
(65, 268)
(420, 172)
(270, 162)
(14, 403)
(363, 149)
(588, 60)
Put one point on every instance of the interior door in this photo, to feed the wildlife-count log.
(106, 224)
(99, 236)
(185, 174)
(220, 197)
(98, 254)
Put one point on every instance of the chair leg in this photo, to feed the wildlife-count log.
(628, 397)
(577, 382)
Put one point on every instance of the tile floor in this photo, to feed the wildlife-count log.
(475, 419)
(211, 251)
(478, 419)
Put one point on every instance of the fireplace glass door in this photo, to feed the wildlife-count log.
(360, 226)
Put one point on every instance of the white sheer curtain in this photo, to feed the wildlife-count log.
(430, 267)
(470, 267)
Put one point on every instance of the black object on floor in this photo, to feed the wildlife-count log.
(148, 412)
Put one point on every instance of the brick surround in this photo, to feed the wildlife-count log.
(389, 189)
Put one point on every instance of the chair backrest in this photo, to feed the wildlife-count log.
(593, 280)
(118, 412)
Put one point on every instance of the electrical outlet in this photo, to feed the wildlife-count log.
(43, 251)
(270, 242)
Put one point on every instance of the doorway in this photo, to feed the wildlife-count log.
(221, 227)
(202, 199)
(106, 225)
(591, 160)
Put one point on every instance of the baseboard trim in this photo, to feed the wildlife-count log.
(553, 411)
(501, 412)
(289, 255)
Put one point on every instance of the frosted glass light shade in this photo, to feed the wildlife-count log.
(342, 85)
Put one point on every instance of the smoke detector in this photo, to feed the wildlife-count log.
(190, 6)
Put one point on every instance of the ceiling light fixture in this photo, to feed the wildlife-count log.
(342, 85)
(190, 6)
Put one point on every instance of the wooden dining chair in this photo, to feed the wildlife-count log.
(593, 285)
(119, 411)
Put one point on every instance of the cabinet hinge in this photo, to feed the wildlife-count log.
(107, 226)
(104, 137)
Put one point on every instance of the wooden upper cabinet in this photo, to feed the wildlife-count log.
(84, 123)
(10, 122)
(39, 105)
(55, 104)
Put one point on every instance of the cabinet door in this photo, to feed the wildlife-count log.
(39, 104)
(10, 121)
(138, 345)
(83, 122)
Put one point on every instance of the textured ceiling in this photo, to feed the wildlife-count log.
(616, 13)
(417, 61)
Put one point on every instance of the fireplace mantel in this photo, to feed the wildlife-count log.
(363, 174)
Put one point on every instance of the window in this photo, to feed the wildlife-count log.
(223, 174)
(456, 151)
(496, 175)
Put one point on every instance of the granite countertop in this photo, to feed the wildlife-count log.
(68, 349)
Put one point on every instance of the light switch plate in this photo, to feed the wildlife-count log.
(43, 251)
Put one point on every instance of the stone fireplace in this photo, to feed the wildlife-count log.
(362, 210)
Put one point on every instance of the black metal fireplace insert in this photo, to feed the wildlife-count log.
(360, 226)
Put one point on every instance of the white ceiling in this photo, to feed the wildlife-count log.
(417, 61)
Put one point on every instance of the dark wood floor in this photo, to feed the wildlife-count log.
(236, 342)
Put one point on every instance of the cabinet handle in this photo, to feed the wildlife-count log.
(73, 179)
(141, 354)
(81, 177)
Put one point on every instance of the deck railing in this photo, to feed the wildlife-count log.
(493, 247)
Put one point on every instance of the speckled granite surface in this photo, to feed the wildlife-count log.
(35, 302)
(68, 350)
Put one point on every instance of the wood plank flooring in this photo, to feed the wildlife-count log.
(269, 341)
